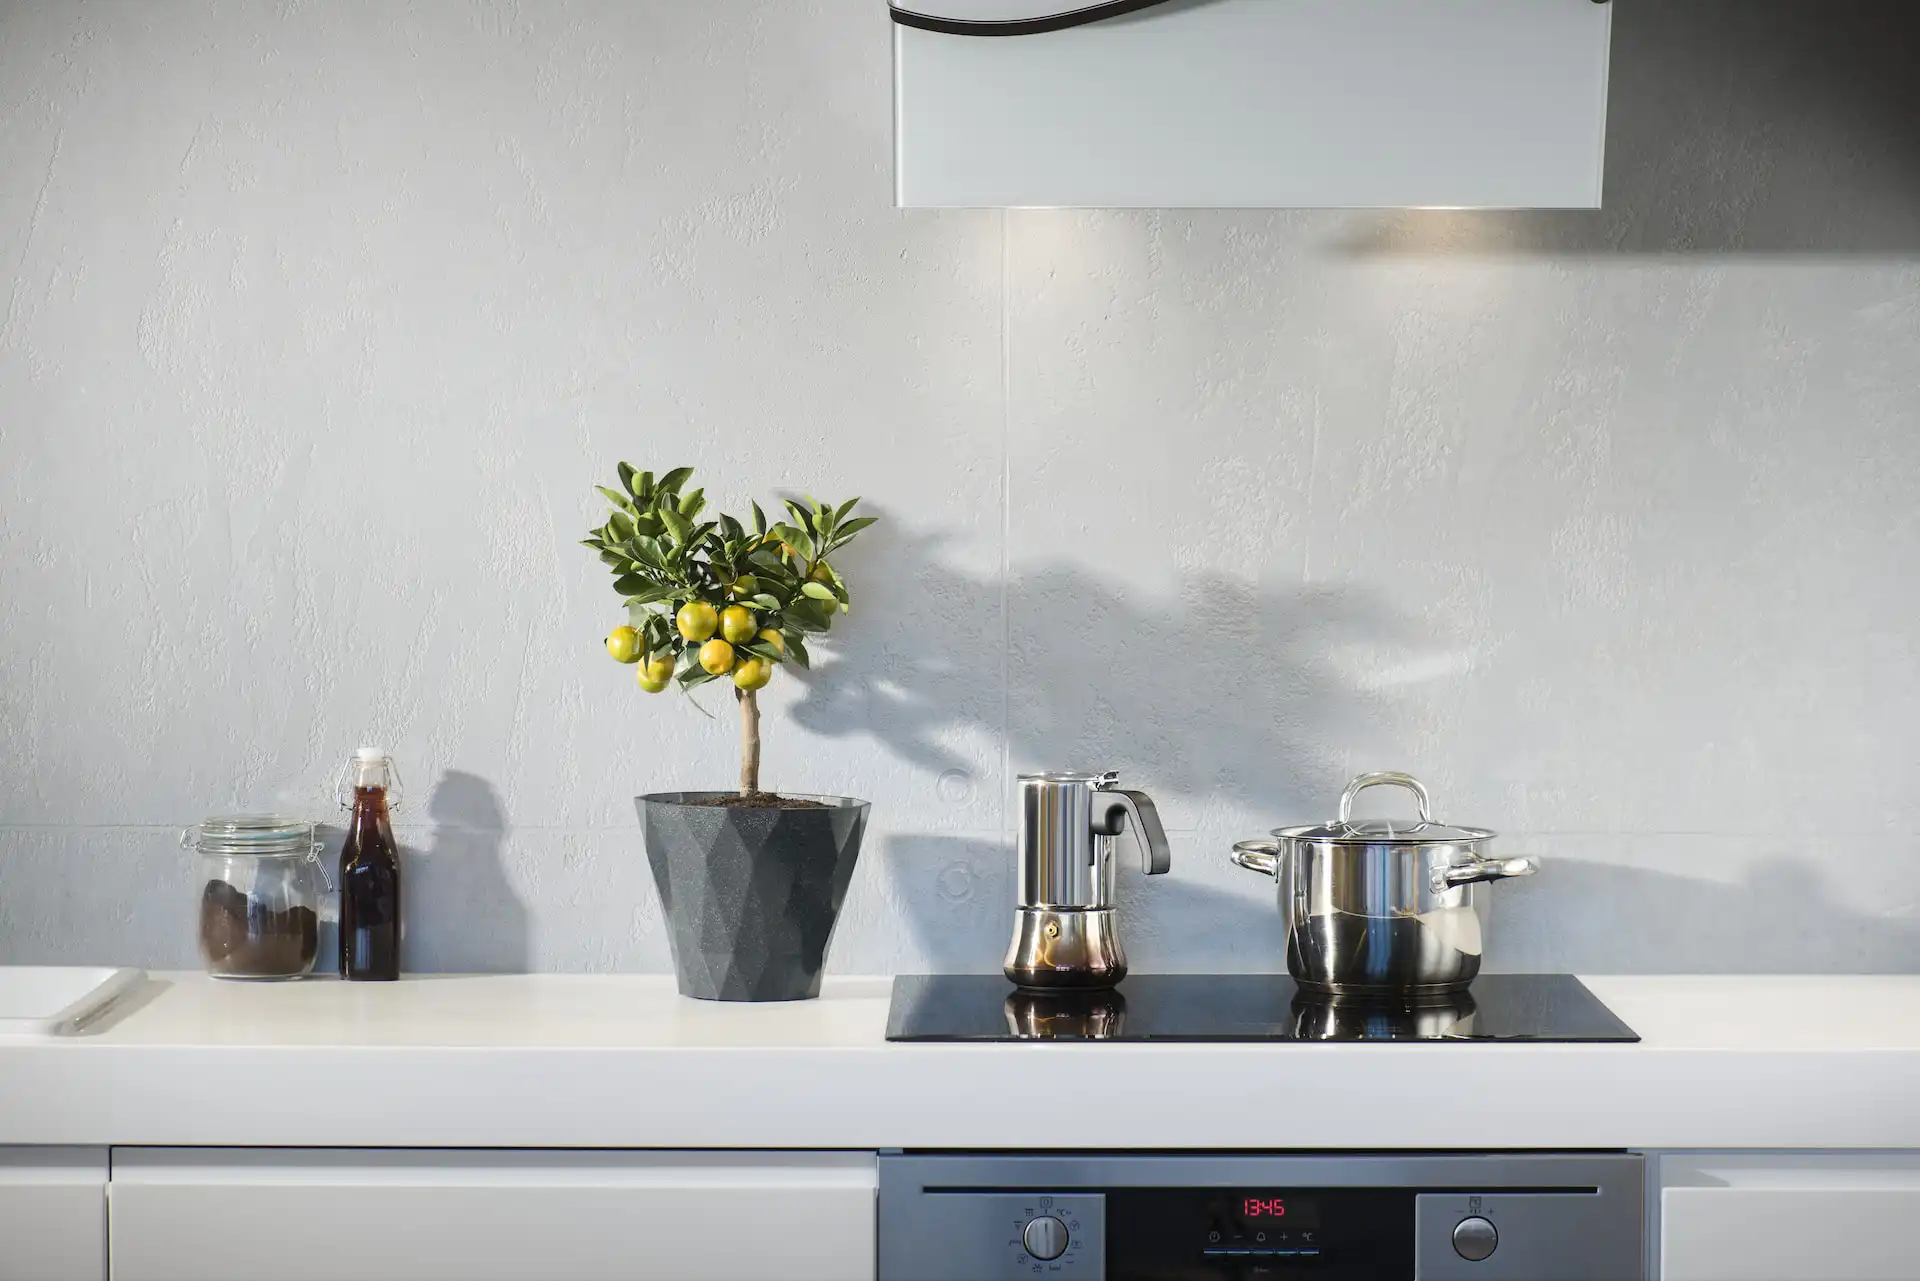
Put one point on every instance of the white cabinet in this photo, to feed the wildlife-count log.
(208, 1214)
(53, 1214)
(1790, 1218)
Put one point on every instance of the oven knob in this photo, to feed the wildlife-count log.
(1046, 1237)
(1475, 1239)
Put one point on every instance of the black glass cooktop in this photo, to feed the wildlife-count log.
(1242, 1007)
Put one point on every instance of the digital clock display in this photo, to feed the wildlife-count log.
(1264, 1208)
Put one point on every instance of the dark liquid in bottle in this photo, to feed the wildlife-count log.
(370, 891)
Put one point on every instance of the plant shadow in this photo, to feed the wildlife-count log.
(1223, 698)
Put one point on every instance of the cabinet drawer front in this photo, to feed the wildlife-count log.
(53, 1214)
(1791, 1219)
(491, 1216)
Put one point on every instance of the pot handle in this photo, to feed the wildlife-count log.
(1385, 778)
(1483, 869)
(1258, 856)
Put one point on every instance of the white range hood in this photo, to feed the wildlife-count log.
(1250, 103)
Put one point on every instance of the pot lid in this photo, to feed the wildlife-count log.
(1421, 830)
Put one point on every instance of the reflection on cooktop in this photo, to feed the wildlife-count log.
(1243, 1007)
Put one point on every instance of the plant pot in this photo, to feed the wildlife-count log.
(751, 895)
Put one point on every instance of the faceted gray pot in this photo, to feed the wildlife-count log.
(751, 895)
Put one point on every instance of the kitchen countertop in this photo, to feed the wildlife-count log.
(623, 1061)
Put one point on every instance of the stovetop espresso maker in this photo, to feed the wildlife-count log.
(1064, 934)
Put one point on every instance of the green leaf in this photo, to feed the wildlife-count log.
(797, 649)
(615, 559)
(626, 477)
(693, 503)
(614, 496)
(796, 538)
(622, 526)
(650, 550)
(678, 526)
(671, 482)
(764, 601)
(730, 529)
(768, 561)
(697, 677)
(643, 488)
(760, 649)
(759, 520)
(653, 625)
(840, 514)
(652, 595)
(810, 615)
(819, 591)
(629, 584)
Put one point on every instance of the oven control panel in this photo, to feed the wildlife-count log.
(1186, 1218)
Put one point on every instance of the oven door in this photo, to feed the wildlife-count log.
(1380, 1217)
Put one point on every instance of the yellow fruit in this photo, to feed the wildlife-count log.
(658, 669)
(624, 644)
(736, 623)
(820, 573)
(716, 656)
(753, 674)
(652, 685)
(745, 585)
(774, 638)
(697, 620)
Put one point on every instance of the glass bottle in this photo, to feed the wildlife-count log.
(370, 870)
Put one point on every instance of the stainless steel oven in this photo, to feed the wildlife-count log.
(1237, 1217)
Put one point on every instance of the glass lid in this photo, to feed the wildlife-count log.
(1418, 830)
(262, 834)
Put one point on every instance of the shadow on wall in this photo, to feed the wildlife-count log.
(1602, 919)
(954, 899)
(473, 920)
(1221, 692)
(1734, 126)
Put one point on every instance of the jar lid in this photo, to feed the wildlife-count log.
(259, 835)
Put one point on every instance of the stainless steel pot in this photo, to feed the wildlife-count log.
(1379, 908)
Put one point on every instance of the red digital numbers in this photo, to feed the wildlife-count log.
(1255, 1208)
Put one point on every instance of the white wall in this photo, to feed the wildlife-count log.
(321, 320)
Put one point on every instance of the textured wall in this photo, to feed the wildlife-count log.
(320, 320)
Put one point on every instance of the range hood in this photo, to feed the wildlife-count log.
(1250, 103)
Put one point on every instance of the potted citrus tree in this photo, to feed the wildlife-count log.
(751, 881)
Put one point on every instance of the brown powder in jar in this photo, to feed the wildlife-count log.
(241, 937)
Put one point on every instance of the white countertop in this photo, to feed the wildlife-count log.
(623, 1061)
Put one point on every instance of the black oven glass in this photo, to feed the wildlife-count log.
(1260, 1234)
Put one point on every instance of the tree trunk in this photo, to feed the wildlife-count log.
(749, 742)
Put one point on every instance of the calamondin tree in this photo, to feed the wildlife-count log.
(716, 599)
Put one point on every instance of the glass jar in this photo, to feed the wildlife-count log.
(260, 905)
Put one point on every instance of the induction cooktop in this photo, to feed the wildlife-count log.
(1243, 1007)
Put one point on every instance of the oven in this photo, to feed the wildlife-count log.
(1577, 1216)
